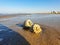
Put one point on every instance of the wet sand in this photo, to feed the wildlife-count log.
(7, 16)
(50, 34)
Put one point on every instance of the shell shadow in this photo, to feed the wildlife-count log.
(10, 37)
(22, 25)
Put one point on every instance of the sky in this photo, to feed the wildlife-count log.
(29, 6)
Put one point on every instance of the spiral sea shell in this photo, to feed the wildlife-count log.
(28, 23)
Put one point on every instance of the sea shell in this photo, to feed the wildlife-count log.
(36, 28)
(28, 23)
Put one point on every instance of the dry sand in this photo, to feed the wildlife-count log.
(48, 36)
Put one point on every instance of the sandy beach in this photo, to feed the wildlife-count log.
(50, 25)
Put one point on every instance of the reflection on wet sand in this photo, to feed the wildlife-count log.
(10, 37)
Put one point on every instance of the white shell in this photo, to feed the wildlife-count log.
(37, 28)
(28, 23)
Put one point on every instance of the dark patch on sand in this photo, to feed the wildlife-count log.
(20, 25)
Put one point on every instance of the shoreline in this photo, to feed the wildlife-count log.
(49, 36)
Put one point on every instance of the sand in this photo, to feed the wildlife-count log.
(49, 35)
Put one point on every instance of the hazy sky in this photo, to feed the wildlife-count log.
(28, 6)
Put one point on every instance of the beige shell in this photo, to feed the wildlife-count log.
(37, 28)
(28, 23)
